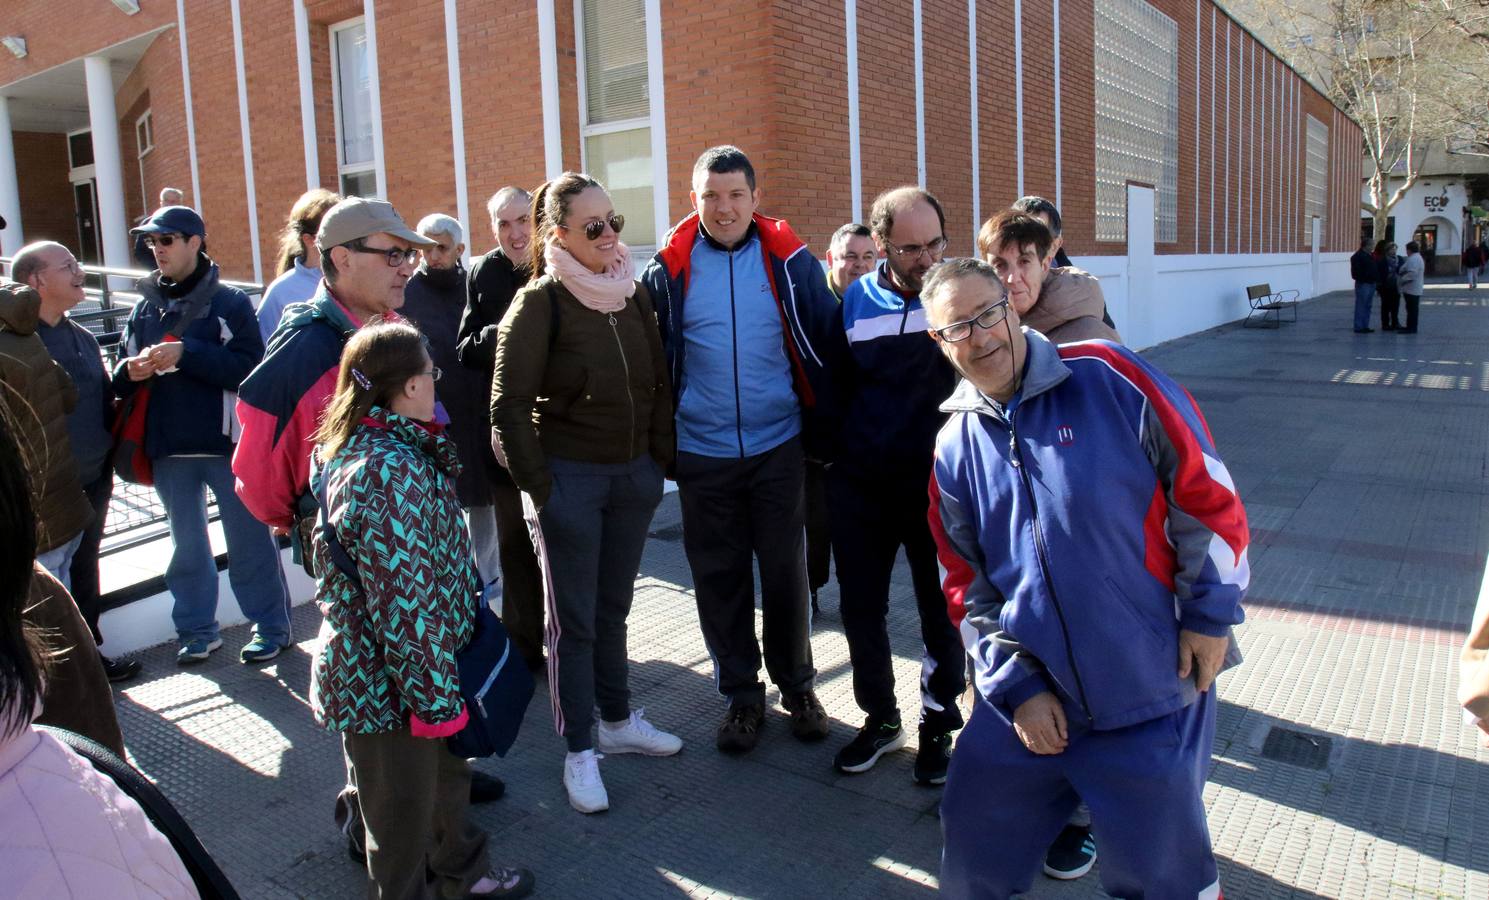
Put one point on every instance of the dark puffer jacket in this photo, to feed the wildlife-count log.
(37, 395)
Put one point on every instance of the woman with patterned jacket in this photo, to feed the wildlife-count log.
(385, 674)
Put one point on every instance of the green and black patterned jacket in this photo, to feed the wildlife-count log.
(389, 650)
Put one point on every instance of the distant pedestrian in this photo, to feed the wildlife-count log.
(582, 408)
(1473, 265)
(385, 675)
(1412, 279)
(193, 339)
(1387, 268)
(299, 271)
(1362, 270)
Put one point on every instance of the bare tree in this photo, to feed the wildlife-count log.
(1382, 62)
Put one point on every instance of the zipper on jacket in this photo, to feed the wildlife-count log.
(1016, 457)
(630, 398)
(734, 328)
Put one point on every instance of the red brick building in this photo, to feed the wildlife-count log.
(434, 104)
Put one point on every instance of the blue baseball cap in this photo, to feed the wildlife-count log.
(173, 220)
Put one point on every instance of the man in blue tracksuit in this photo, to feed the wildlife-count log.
(1095, 557)
(747, 324)
(892, 387)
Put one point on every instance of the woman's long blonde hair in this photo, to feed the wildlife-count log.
(305, 218)
(376, 363)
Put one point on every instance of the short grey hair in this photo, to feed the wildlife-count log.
(171, 196)
(503, 197)
(439, 223)
(944, 274)
(28, 260)
(852, 229)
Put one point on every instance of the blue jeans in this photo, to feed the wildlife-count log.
(253, 556)
(58, 560)
(1364, 295)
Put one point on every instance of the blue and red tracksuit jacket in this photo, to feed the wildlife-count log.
(810, 323)
(1080, 528)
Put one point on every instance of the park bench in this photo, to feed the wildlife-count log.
(1269, 304)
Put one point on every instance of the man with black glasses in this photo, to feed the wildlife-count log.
(876, 495)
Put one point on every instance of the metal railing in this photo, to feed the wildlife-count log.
(135, 512)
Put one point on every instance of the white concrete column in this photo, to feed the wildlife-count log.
(553, 147)
(307, 97)
(12, 238)
(103, 120)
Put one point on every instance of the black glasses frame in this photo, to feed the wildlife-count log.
(393, 255)
(960, 331)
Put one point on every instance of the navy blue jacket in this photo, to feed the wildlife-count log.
(192, 408)
(809, 316)
(1362, 267)
(894, 383)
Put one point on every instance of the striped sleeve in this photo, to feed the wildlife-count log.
(1195, 530)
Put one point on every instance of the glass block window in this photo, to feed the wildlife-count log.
(1316, 185)
(615, 109)
(1137, 115)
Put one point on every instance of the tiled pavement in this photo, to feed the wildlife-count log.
(1362, 460)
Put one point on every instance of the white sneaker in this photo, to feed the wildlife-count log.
(582, 781)
(636, 735)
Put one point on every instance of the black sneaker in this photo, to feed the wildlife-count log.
(1072, 854)
(874, 739)
(485, 788)
(933, 757)
(741, 729)
(120, 669)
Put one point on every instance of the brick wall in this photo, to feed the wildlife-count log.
(46, 195)
(769, 77)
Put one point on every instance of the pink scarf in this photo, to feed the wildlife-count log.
(605, 291)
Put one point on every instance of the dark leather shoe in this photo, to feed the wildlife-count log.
(485, 788)
(1364, 331)
(120, 669)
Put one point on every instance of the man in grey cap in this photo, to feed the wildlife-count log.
(368, 254)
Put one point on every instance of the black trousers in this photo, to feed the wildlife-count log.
(1390, 308)
(819, 537)
(1412, 301)
(871, 520)
(84, 571)
(522, 582)
(735, 512)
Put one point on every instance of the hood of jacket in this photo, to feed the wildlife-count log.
(20, 308)
(1066, 295)
(1043, 371)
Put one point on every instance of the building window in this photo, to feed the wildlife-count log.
(1137, 115)
(615, 107)
(144, 133)
(1316, 186)
(351, 78)
(80, 148)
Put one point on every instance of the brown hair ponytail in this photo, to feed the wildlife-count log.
(549, 210)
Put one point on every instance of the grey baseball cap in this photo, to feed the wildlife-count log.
(358, 217)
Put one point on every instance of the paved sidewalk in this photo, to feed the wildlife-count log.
(1341, 766)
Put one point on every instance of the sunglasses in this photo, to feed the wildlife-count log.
(164, 240)
(596, 227)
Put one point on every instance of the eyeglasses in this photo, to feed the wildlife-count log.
(393, 255)
(69, 266)
(435, 372)
(164, 240)
(914, 251)
(960, 331)
(596, 227)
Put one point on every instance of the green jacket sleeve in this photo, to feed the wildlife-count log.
(663, 437)
(521, 360)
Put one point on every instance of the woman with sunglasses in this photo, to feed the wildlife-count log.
(582, 409)
(385, 675)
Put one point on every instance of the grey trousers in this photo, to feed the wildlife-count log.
(734, 512)
(594, 528)
(414, 795)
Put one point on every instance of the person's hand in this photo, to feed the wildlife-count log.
(1203, 656)
(166, 355)
(278, 530)
(1040, 724)
(496, 449)
(139, 367)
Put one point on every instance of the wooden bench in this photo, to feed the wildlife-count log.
(1268, 305)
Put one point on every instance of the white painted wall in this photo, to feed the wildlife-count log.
(1426, 200)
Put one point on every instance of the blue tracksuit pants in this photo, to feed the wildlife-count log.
(1003, 806)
